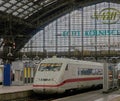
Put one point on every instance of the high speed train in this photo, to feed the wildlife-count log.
(57, 75)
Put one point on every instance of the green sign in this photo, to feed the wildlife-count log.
(107, 16)
(91, 33)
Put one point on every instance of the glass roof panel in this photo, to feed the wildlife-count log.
(13, 1)
(35, 6)
(30, 4)
(21, 15)
(28, 16)
(2, 8)
(26, 12)
(25, 7)
(14, 7)
(9, 11)
(20, 10)
(7, 5)
(15, 13)
(19, 4)
(1, 2)
(31, 9)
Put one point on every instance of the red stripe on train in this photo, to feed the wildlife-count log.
(69, 81)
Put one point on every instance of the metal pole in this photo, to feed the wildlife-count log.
(56, 37)
(109, 34)
(105, 78)
(95, 38)
(44, 42)
(82, 32)
(69, 37)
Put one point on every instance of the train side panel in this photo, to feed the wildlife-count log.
(82, 76)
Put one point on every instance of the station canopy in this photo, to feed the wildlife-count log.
(23, 8)
(20, 19)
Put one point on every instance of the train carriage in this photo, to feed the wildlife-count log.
(57, 75)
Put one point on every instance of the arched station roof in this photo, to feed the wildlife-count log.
(19, 19)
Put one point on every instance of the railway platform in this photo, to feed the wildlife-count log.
(14, 92)
(93, 96)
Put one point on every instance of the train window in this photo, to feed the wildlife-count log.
(93, 71)
(89, 71)
(96, 71)
(100, 72)
(85, 71)
(82, 72)
(79, 71)
(50, 67)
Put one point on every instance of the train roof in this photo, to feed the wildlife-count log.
(68, 60)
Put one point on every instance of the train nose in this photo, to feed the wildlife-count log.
(46, 88)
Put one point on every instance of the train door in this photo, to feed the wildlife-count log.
(69, 76)
(66, 73)
(69, 72)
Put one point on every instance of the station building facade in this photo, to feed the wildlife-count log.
(94, 28)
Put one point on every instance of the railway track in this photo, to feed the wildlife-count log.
(40, 97)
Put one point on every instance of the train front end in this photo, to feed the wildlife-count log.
(46, 80)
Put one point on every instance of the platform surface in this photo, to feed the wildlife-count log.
(11, 89)
(93, 96)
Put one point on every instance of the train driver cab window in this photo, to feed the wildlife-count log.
(50, 67)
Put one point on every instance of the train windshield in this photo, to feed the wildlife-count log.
(50, 67)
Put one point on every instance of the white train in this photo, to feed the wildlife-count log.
(57, 75)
